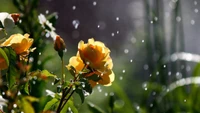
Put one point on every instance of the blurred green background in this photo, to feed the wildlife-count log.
(153, 43)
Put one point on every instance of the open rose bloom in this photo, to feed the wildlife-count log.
(20, 43)
(95, 56)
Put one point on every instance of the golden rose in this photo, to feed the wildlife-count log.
(19, 43)
(95, 54)
(106, 78)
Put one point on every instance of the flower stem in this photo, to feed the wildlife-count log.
(63, 74)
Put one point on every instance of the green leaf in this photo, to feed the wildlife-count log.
(196, 71)
(69, 107)
(51, 105)
(46, 73)
(12, 72)
(31, 99)
(3, 54)
(26, 106)
(26, 88)
(94, 109)
(81, 94)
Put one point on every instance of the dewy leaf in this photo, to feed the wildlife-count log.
(81, 94)
(94, 109)
(44, 74)
(87, 87)
(51, 105)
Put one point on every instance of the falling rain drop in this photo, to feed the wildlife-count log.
(133, 40)
(106, 94)
(196, 10)
(154, 93)
(121, 78)
(157, 73)
(156, 18)
(178, 18)
(75, 23)
(34, 82)
(142, 41)
(169, 73)
(74, 7)
(146, 67)
(151, 22)
(185, 100)
(137, 107)
(52, 83)
(40, 53)
(31, 59)
(192, 22)
(117, 32)
(195, 2)
(94, 3)
(188, 68)
(126, 51)
(14, 105)
(131, 60)
(112, 34)
(164, 66)
(123, 71)
(117, 18)
(151, 105)
(47, 11)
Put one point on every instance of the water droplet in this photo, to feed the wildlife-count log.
(47, 34)
(112, 94)
(73, 7)
(169, 73)
(35, 77)
(75, 23)
(94, 3)
(34, 82)
(164, 66)
(195, 2)
(117, 18)
(47, 11)
(39, 62)
(185, 100)
(151, 105)
(146, 67)
(142, 41)
(151, 22)
(117, 32)
(19, 93)
(196, 10)
(156, 18)
(121, 77)
(3, 93)
(87, 63)
(133, 40)
(154, 93)
(157, 73)
(52, 83)
(106, 94)
(137, 107)
(123, 71)
(101, 25)
(192, 22)
(178, 75)
(150, 75)
(178, 18)
(40, 53)
(126, 51)
(14, 105)
(167, 90)
(112, 34)
(31, 59)
(131, 60)
(188, 68)
(83, 85)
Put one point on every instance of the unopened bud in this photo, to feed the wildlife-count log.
(59, 44)
(15, 17)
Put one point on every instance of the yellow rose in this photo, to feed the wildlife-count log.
(19, 43)
(95, 54)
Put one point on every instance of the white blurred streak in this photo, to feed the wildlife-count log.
(183, 56)
(3, 101)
